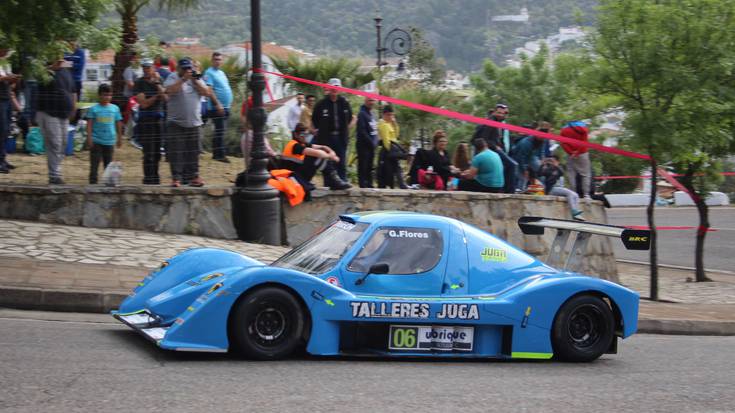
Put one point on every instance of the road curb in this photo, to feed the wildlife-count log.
(102, 302)
(82, 301)
(687, 327)
(673, 267)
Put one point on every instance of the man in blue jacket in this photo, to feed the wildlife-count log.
(367, 141)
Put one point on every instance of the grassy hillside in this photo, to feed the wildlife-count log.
(460, 30)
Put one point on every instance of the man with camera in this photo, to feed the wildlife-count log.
(151, 97)
(184, 120)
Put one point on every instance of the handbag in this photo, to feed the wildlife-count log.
(397, 151)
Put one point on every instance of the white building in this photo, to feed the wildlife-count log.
(519, 18)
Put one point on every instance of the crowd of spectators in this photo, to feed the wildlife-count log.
(173, 102)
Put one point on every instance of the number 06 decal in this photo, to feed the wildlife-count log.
(403, 338)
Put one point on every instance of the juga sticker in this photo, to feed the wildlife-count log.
(494, 254)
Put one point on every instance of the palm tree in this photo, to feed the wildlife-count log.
(128, 11)
(417, 123)
(321, 70)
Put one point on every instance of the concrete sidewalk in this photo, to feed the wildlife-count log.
(62, 268)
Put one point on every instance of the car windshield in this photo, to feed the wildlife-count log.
(322, 252)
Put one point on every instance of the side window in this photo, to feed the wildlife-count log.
(405, 250)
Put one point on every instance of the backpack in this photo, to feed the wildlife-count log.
(34, 141)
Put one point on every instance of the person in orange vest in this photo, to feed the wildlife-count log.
(306, 159)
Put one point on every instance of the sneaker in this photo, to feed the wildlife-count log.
(579, 218)
(9, 166)
(56, 181)
(587, 199)
(176, 183)
(223, 160)
(196, 182)
(135, 144)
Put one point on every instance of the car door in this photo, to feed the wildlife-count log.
(416, 257)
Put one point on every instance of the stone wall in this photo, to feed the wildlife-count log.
(195, 211)
(495, 213)
(208, 212)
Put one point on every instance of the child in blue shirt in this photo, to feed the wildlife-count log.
(104, 131)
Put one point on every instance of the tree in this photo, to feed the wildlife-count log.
(321, 70)
(128, 11)
(658, 59)
(422, 59)
(40, 30)
(535, 91)
(417, 123)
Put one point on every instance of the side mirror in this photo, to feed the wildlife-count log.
(379, 268)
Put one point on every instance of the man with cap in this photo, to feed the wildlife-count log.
(57, 103)
(183, 123)
(332, 118)
(151, 97)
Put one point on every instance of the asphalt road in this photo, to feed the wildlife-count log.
(54, 366)
(677, 247)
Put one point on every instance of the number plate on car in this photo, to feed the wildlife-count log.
(430, 338)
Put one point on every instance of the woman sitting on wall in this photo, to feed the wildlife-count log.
(432, 169)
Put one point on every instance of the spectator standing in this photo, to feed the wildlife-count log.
(294, 113)
(332, 118)
(305, 159)
(183, 124)
(485, 173)
(578, 159)
(307, 112)
(162, 67)
(391, 151)
(528, 153)
(553, 178)
(498, 140)
(104, 131)
(367, 141)
(151, 97)
(78, 61)
(7, 80)
(218, 108)
(56, 105)
(130, 75)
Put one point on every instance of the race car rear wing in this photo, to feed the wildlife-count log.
(633, 239)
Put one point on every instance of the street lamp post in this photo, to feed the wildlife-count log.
(379, 49)
(397, 41)
(256, 207)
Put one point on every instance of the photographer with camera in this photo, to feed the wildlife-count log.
(184, 120)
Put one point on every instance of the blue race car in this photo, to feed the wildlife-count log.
(391, 284)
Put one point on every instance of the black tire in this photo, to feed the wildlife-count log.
(583, 329)
(267, 324)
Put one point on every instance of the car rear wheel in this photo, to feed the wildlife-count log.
(583, 329)
(267, 324)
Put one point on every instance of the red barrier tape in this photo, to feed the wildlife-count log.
(467, 118)
(670, 179)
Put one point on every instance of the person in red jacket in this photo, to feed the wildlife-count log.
(578, 161)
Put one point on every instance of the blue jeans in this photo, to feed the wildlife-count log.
(220, 126)
(510, 168)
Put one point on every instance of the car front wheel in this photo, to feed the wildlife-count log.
(267, 324)
(583, 329)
